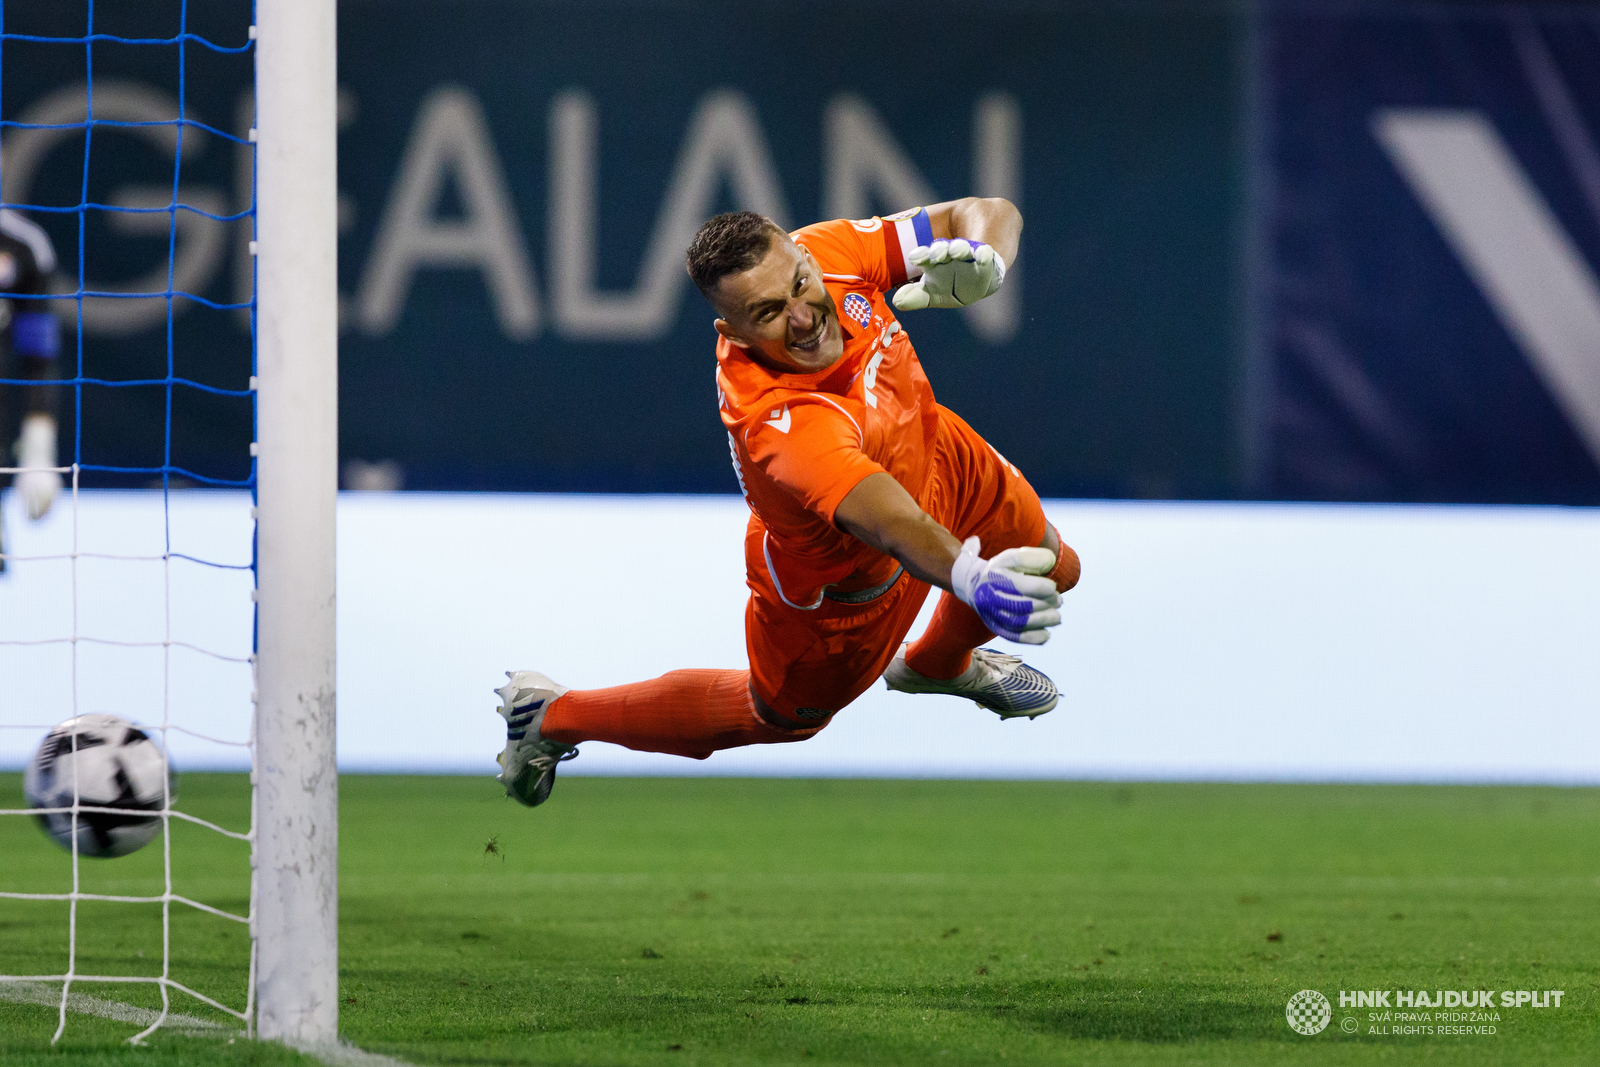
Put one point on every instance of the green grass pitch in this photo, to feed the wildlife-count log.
(731, 921)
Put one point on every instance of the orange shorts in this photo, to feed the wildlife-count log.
(809, 664)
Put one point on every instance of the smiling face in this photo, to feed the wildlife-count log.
(779, 311)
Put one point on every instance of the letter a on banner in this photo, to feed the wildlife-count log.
(724, 140)
(862, 158)
(450, 139)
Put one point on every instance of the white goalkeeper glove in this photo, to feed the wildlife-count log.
(1006, 591)
(36, 448)
(954, 274)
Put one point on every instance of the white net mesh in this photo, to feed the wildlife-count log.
(136, 604)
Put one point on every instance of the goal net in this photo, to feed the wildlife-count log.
(192, 402)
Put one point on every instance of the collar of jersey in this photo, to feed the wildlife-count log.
(740, 366)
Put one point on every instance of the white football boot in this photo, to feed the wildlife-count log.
(528, 764)
(1003, 684)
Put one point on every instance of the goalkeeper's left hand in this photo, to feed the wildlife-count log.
(36, 449)
(954, 274)
(1008, 592)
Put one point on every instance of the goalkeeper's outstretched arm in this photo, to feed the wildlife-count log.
(1007, 591)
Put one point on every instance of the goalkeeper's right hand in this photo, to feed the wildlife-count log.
(1006, 591)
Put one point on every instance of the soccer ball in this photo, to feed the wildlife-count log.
(114, 765)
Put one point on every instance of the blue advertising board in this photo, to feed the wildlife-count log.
(1295, 251)
(1433, 221)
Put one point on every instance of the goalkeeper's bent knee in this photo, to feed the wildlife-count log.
(1067, 569)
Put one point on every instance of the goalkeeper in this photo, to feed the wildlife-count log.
(863, 492)
(30, 338)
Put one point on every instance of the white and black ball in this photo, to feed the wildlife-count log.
(115, 765)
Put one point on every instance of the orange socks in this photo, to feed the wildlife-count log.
(686, 713)
(945, 648)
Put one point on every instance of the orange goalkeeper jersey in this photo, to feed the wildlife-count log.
(801, 442)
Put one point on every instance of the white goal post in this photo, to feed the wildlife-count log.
(297, 336)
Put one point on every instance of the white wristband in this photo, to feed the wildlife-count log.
(966, 572)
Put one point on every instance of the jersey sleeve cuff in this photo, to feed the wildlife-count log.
(901, 234)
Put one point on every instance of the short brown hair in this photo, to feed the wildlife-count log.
(729, 244)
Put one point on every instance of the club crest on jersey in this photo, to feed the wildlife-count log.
(857, 309)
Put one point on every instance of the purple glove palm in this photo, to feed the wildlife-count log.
(1007, 592)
